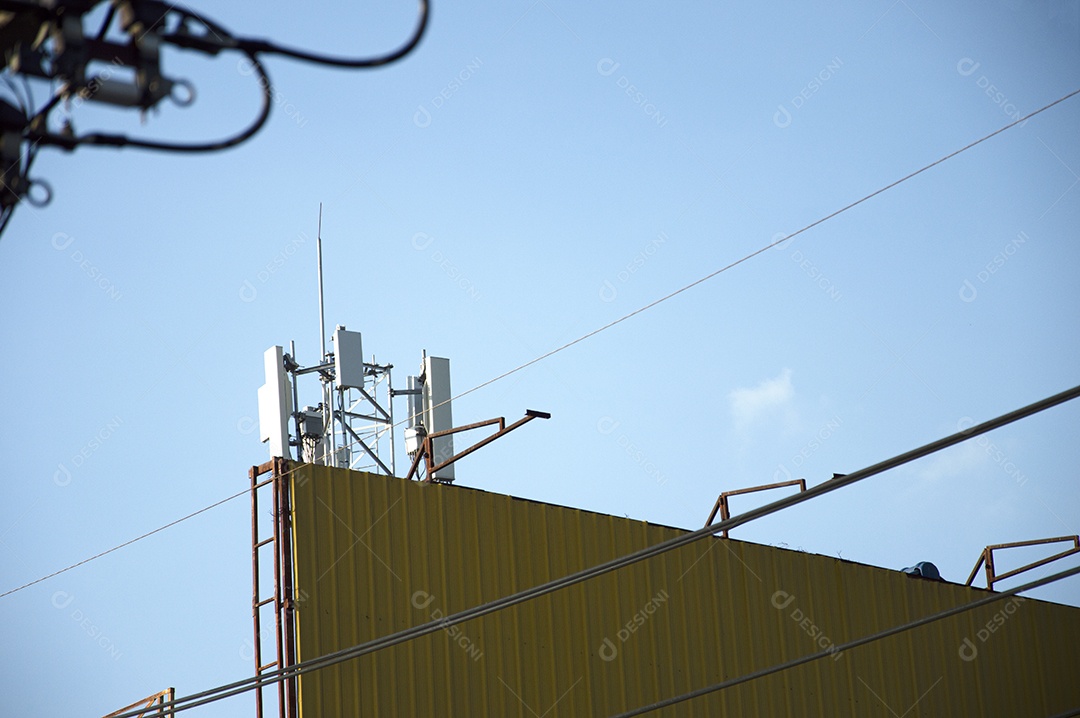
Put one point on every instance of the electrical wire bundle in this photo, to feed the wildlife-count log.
(46, 39)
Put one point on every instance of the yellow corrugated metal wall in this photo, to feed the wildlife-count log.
(375, 555)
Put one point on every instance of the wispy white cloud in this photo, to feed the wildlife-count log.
(983, 457)
(749, 405)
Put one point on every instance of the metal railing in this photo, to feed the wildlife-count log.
(721, 504)
(987, 558)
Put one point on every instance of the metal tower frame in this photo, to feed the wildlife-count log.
(362, 421)
(353, 426)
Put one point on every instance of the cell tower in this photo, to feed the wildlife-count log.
(352, 426)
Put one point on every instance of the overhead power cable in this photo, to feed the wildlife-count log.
(850, 644)
(314, 664)
(643, 309)
(126, 543)
(755, 253)
(148, 534)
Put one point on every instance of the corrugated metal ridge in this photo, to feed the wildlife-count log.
(538, 502)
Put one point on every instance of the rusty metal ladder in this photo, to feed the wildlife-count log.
(281, 598)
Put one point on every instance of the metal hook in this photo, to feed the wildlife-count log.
(184, 98)
(42, 200)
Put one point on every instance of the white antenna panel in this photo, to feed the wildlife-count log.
(348, 359)
(416, 401)
(437, 413)
(275, 403)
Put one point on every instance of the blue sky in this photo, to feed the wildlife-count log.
(529, 173)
